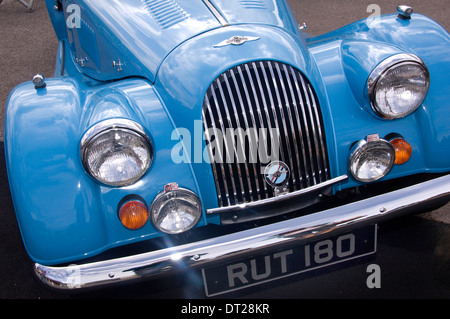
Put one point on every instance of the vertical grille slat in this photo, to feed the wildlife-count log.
(321, 146)
(247, 125)
(264, 134)
(234, 170)
(295, 124)
(292, 135)
(286, 133)
(246, 192)
(271, 101)
(277, 102)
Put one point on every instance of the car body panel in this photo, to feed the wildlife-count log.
(167, 68)
(354, 51)
(139, 38)
(52, 191)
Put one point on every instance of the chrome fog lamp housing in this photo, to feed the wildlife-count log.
(175, 211)
(371, 159)
(116, 152)
(398, 86)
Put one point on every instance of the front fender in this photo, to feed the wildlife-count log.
(47, 186)
(347, 56)
(63, 214)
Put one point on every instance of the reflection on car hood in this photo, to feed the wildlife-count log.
(141, 33)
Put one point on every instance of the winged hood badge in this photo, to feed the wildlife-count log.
(236, 40)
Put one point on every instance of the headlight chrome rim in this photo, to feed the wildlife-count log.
(382, 70)
(165, 197)
(111, 125)
(362, 148)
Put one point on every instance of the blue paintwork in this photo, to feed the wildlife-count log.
(65, 216)
(346, 57)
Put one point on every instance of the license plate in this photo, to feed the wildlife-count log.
(290, 261)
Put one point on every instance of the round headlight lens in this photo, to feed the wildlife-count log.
(398, 86)
(116, 153)
(371, 161)
(175, 211)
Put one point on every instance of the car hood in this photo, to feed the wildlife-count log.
(122, 38)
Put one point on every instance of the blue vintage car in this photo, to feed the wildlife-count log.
(218, 136)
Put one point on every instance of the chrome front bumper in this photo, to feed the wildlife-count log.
(200, 254)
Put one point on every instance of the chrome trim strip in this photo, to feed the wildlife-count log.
(233, 142)
(279, 198)
(289, 88)
(216, 13)
(271, 102)
(245, 194)
(321, 145)
(247, 126)
(300, 107)
(275, 68)
(254, 89)
(230, 247)
(312, 137)
(221, 155)
(115, 123)
(208, 138)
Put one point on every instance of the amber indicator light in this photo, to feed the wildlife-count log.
(133, 215)
(403, 151)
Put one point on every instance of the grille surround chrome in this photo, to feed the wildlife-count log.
(265, 94)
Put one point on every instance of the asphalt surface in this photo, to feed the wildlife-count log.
(413, 252)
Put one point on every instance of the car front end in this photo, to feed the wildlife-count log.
(212, 150)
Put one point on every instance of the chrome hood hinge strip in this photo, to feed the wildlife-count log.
(223, 21)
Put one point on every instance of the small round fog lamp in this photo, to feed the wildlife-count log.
(175, 211)
(371, 161)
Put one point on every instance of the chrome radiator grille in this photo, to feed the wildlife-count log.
(268, 95)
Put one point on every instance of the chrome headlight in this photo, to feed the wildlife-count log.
(398, 86)
(371, 160)
(116, 152)
(175, 211)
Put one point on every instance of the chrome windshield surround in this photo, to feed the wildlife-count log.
(216, 13)
(233, 246)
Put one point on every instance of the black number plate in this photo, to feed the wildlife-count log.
(289, 261)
